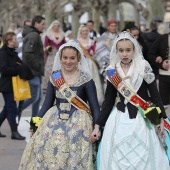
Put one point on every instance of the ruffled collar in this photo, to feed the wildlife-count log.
(139, 70)
(56, 40)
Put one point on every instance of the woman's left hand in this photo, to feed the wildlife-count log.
(162, 128)
(95, 134)
(31, 133)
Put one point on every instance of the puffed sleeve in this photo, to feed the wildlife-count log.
(108, 104)
(49, 100)
(155, 97)
(92, 99)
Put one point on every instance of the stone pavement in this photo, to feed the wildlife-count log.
(11, 150)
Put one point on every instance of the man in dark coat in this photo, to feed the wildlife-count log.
(152, 35)
(159, 55)
(150, 38)
(33, 56)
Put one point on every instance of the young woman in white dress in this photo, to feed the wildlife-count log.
(129, 142)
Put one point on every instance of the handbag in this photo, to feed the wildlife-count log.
(24, 71)
(21, 89)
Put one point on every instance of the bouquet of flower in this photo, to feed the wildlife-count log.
(34, 123)
(48, 48)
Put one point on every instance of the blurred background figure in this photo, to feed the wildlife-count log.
(84, 39)
(33, 56)
(150, 38)
(9, 67)
(92, 32)
(20, 38)
(110, 34)
(103, 48)
(54, 38)
(69, 35)
(159, 55)
(104, 44)
(89, 50)
(152, 35)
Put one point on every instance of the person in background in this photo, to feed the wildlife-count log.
(129, 140)
(110, 34)
(103, 48)
(54, 38)
(152, 35)
(92, 32)
(150, 38)
(20, 38)
(69, 35)
(62, 139)
(89, 46)
(9, 67)
(159, 55)
(85, 40)
(33, 56)
(104, 44)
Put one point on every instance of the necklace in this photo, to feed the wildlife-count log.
(126, 63)
(69, 77)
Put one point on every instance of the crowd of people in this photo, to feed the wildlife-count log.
(111, 88)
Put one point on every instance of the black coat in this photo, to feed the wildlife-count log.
(11, 65)
(159, 48)
(150, 37)
(32, 50)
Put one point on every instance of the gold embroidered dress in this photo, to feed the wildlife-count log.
(63, 144)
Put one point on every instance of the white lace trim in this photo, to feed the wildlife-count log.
(84, 78)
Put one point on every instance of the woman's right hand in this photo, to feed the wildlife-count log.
(95, 134)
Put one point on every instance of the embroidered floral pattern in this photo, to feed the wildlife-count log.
(61, 145)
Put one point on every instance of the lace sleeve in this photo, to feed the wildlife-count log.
(149, 76)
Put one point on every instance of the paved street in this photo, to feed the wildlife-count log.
(11, 150)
